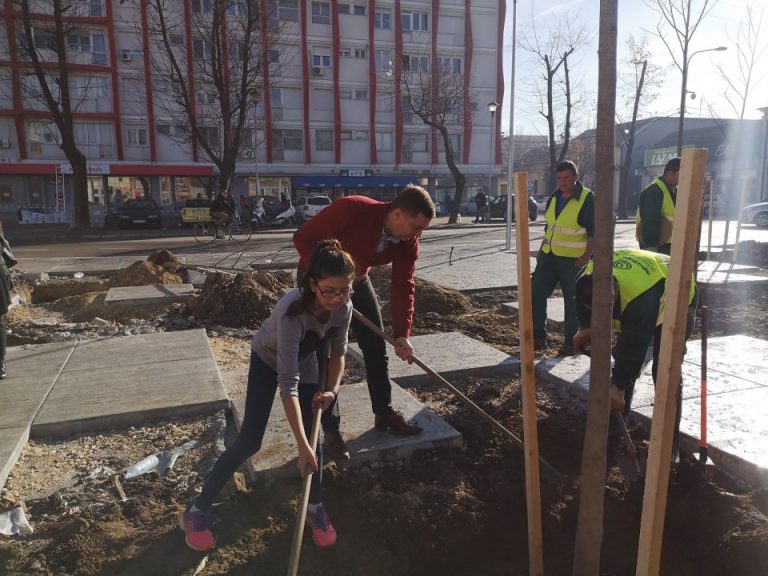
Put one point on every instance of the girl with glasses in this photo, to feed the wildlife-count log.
(283, 355)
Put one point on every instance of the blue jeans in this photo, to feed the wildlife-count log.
(262, 385)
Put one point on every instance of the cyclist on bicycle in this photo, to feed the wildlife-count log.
(222, 210)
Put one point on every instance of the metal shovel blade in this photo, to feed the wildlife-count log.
(627, 460)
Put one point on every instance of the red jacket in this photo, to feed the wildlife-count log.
(357, 222)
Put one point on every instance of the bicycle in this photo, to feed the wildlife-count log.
(205, 231)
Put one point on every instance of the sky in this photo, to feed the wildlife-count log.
(719, 28)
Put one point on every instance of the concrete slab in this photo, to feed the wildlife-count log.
(555, 311)
(146, 377)
(737, 416)
(715, 277)
(710, 266)
(451, 354)
(12, 442)
(148, 295)
(472, 269)
(277, 457)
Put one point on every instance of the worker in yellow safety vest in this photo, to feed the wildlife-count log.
(639, 286)
(567, 246)
(656, 210)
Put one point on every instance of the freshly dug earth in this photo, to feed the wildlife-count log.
(443, 513)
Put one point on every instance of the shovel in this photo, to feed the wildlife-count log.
(703, 441)
(628, 462)
(555, 475)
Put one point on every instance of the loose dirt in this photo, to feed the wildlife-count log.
(443, 512)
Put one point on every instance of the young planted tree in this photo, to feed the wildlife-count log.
(435, 94)
(42, 33)
(555, 89)
(640, 82)
(212, 83)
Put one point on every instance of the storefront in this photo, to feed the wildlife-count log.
(350, 182)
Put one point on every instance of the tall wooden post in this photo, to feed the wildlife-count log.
(690, 194)
(589, 532)
(528, 379)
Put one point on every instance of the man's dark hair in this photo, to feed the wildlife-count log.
(583, 289)
(672, 166)
(414, 200)
(567, 165)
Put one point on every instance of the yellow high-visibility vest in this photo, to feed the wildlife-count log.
(564, 235)
(667, 217)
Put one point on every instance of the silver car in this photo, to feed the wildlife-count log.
(756, 214)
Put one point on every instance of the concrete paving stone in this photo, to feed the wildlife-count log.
(710, 266)
(149, 294)
(12, 442)
(146, 377)
(468, 270)
(92, 266)
(729, 278)
(277, 457)
(451, 354)
(555, 311)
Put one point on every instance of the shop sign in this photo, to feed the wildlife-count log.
(356, 173)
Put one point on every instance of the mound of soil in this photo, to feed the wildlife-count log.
(244, 300)
(64, 287)
(142, 273)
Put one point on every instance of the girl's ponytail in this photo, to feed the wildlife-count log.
(329, 260)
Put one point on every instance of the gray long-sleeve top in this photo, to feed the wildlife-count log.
(288, 343)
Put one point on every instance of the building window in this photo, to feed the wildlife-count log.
(416, 142)
(384, 141)
(274, 56)
(354, 94)
(383, 60)
(288, 10)
(205, 97)
(382, 19)
(324, 140)
(417, 21)
(346, 134)
(202, 6)
(359, 134)
(352, 9)
(201, 49)
(94, 43)
(361, 53)
(237, 8)
(176, 39)
(137, 136)
(287, 140)
(247, 137)
(449, 65)
(209, 135)
(417, 64)
(164, 129)
(321, 60)
(321, 13)
(6, 194)
(455, 143)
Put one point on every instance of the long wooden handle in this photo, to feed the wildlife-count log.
(474, 407)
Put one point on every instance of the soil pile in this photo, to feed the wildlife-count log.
(64, 287)
(145, 272)
(243, 300)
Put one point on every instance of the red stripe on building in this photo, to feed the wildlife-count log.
(115, 88)
(336, 96)
(46, 114)
(161, 169)
(372, 81)
(24, 168)
(265, 74)
(468, 47)
(148, 82)
(305, 81)
(15, 81)
(190, 71)
(498, 152)
(398, 65)
(435, 72)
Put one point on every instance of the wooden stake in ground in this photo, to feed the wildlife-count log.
(688, 208)
(589, 531)
(528, 378)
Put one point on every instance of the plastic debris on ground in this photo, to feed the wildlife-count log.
(160, 462)
(14, 522)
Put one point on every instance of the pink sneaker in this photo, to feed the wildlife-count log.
(323, 532)
(197, 529)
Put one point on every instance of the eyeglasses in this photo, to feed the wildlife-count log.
(333, 293)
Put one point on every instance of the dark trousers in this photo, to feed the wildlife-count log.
(3, 338)
(374, 353)
(262, 385)
(551, 270)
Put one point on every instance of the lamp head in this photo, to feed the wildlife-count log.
(493, 106)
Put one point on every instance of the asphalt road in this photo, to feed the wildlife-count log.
(265, 245)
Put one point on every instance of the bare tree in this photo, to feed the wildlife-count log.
(213, 84)
(683, 18)
(640, 84)
(435, 94)
(750, 48)
(42, 41)
(553, 49)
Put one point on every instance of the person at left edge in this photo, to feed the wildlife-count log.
(283, 354)
(5, 302)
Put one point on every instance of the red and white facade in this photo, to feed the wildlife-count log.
(334, 119)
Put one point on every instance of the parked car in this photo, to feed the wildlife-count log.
(498, 208)
(756, 214)
(139, 213)
(195, 209)
(309, 206)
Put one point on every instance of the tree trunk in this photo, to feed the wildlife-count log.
(81, 217)
(623, 192)
(589, 533)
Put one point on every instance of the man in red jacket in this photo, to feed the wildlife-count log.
(375, 234)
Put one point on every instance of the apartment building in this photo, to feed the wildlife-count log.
(331, 116)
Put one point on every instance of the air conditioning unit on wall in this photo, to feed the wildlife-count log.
(126, 56)
(246, 154)
(4, 143)
(318, 71)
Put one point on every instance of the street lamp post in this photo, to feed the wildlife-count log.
(492, 108)
(684, 93)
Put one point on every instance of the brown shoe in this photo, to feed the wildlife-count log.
(397, 424)
(335, 447)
